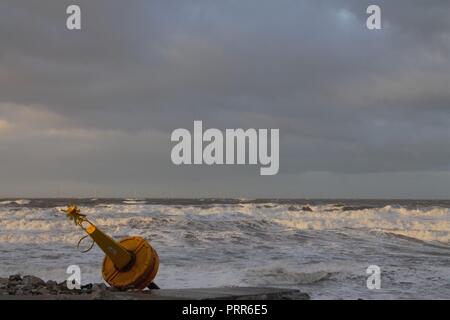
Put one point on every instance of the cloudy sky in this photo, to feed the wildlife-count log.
(362, 114)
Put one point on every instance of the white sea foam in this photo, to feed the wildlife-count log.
(18, 202)
(431, 224)
(245, 244)
(426, 224)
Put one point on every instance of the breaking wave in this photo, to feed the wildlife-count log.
(244, 242)
(20, 202)
(431, 224)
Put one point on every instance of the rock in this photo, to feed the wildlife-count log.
(307, 208)
(99, 287)
(15, 278)
(26, 292)
(43, 291)
(64, 290)
(102, 295)
(3, 284)
(87, 286)
(31, 285)
(33, 281)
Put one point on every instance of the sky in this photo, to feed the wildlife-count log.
(361, 114)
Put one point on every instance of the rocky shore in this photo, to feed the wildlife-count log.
(16, 285)
(31, 287)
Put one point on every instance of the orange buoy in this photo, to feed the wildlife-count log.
(130, 263)
(140, 272)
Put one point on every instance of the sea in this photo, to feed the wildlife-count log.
(326, 248)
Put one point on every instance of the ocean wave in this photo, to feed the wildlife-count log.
(425, 224)
(20, 202)
(131, 201)
(317, 246)
(280, 276)
(430, 224)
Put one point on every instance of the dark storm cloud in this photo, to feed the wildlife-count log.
(346, 100)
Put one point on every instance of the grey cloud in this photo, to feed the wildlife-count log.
(346, 100)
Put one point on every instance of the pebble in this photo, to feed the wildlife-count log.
(32, 285)
(32, 281)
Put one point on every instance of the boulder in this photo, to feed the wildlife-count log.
(42, 291)
(32, 281)
(15, 278)
(3, 283)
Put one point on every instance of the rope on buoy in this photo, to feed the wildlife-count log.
(74, 214)
(88, 249)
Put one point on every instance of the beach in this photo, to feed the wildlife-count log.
(33, 288)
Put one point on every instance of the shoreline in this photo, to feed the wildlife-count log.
(28, 287)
